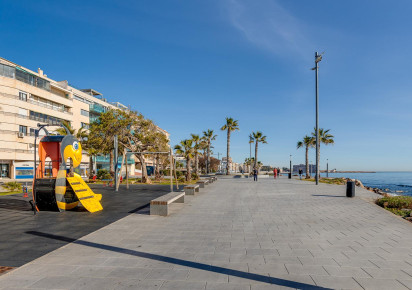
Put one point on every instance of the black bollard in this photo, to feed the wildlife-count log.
(350, 189)
(290, 175)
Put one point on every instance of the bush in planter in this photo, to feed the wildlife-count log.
(13, 186)
(195, 176)
(103, 174)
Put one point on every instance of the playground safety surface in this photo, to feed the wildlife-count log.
(18, 246)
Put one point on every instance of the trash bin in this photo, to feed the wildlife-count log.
(290, 175)
(350, 189)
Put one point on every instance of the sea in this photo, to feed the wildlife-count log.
(396, 183)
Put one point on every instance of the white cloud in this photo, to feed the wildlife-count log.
(269, 26)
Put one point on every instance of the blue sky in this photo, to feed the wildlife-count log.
(189, 64)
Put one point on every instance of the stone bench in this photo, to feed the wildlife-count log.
(191, 189)
(202, 183)
(160, 205)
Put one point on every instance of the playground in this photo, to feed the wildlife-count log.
(17, 222)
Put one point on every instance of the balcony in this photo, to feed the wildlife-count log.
(97, 109)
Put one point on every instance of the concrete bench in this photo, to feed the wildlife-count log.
(202, 183)
(160, 205)
(191, 189)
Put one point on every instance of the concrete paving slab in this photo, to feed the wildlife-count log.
(271, 234)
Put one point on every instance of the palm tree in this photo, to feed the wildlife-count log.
(307, 142)
(185, 148)
(208, 137)
(259, 138)
(231, 125)
(196, 148)
(324, 138)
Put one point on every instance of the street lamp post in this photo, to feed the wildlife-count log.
(290, 168)
(250, 152)
(327, 167)
(318, 58)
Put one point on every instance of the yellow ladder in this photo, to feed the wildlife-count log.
(86, 196)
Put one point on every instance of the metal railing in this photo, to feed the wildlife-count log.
(48, 106)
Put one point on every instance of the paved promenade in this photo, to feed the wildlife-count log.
(237, 234)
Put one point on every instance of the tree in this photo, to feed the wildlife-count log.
(102, 132)
(142, 135)
(259, 138)
(196, 149)
(324, 138)
(231, 125)
(306, 142)
(214, 163)
(185, 148)
(208, 137)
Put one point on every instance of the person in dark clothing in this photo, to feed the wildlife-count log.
(300, 173)
(255, 174)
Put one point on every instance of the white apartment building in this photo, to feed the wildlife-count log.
(28, 98)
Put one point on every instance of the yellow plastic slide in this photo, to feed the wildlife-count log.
(89, 199)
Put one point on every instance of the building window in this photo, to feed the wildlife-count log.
(84, 112)
(23, 130)
(23, 96)
(44, 118)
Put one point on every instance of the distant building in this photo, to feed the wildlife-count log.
(296, 168)
(28, 98)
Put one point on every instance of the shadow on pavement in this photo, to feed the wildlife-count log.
(195, 265)
(16, 218)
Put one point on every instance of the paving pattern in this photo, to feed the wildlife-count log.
(237, 234)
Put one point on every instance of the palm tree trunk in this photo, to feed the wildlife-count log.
(208, 159)
(307, 161)
(111, 159)
(91, 173)
(188, 171)
(196, 163)
(256, 154)
(228, 153)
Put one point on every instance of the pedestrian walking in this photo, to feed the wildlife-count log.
(275, 173)
(300, 173)
(255, 174)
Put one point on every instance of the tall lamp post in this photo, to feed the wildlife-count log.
(290, 168)
(327, 167)
(250, 151)
(318, 58)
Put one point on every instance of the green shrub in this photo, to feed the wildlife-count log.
(402, 213)
(13, 186)
(398, 202)
(179, 173)
(103, 174)
(195, 176)
(181, 179)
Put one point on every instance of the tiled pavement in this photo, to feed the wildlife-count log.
(237, 234)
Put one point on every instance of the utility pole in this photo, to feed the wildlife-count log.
(318, 58)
